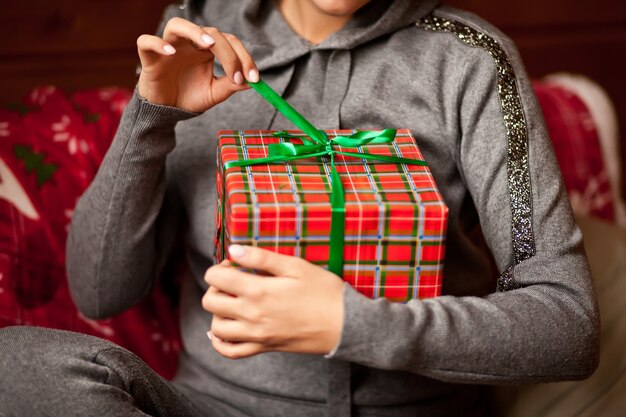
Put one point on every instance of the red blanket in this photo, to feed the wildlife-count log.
(50, 150)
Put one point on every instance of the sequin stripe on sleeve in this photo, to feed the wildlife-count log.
(517, 133)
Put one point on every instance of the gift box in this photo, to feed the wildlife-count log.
(393, 232)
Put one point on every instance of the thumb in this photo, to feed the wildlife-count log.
(268, 261)
(222, 88)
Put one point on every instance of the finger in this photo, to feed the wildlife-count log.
(236, 350)
(227, 56)
(216, 302)
(178, 29)
(232, 280)
(260, 259)
(250, 71)
(222, 88)
(236, 330)
(151, 47)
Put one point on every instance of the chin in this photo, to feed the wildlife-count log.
(339, 7)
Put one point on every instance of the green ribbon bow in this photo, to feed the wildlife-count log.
(317, 144)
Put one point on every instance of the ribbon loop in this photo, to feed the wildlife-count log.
(291, 149)
(365, 137)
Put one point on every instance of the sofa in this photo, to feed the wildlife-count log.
(51, 144)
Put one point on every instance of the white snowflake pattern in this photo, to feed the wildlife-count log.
(106, 93)
(103, 326)
(116, 105)
(158, 337)
(592, 197)
(40, 95)
(4, 129)
(68, 215)
(61, 134)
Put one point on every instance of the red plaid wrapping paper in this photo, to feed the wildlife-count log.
(396, 219)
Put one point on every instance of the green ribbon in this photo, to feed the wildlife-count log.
(317, 144)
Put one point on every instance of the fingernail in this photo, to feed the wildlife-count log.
(210, 335)
(253, 76)
(237, 251)
(238, 77)
(208, 40)
(169, 49)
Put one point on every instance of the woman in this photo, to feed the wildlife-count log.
(302, 343)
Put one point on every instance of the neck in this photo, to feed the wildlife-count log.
(309, 21)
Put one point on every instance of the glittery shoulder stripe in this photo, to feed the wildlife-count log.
(517, 133)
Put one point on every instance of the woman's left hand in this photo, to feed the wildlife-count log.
(297, 308)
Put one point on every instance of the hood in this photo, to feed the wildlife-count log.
(272, 43)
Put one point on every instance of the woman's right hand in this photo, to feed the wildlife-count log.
(178, 69)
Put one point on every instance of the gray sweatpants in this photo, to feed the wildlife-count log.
(53, 373)
(47, 372)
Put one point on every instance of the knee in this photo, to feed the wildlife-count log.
(26, 341)
(27, 353)
(39, 364)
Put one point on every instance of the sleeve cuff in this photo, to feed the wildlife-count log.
(158, 114)
(359, 322)
(332, 353)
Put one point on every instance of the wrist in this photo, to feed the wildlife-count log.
(153, 94)
(163, 113)
(335, 320)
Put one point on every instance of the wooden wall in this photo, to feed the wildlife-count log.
(80, 44)
(580, 36)
(71, 43)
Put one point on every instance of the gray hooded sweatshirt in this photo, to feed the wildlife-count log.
(459, 86)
